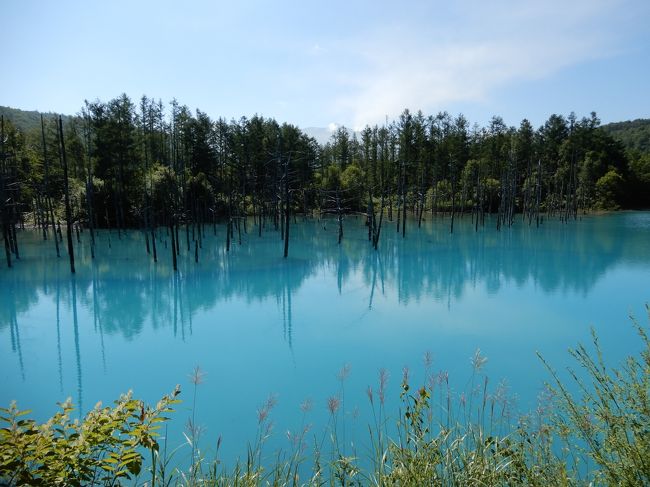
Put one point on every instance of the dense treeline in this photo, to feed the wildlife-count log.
(148, 165)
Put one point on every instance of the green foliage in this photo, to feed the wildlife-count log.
(640, 168)
(165, 190)
(330, 179)
(352, 179)
(608, 190)
(103, 448)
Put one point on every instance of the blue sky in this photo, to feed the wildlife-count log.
(320, 63)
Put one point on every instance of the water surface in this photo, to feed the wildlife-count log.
(258, 324)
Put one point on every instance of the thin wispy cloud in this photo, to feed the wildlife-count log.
(486, 47)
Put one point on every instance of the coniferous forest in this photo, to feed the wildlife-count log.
(122, 164)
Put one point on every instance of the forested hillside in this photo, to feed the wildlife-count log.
(634, 134)
(27, 120)
(147, 165)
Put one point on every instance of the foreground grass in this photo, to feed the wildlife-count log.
(599, 437)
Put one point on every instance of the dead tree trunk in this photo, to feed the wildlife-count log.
(49, 211)
(89, 196)
(375, 238)
(4, 199)
(339, 215)
(403, 201)
(68, 211)
(174, 245)
(286, 207)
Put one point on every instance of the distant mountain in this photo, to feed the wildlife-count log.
(321, 134)
(26, 120)
(634, 134)
(324, 134)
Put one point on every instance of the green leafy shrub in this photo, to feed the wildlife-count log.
(103, 448)
(608, 190)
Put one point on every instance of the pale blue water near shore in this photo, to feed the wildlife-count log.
(257, 324)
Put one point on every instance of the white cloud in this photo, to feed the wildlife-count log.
(488, 46)
(332, 127)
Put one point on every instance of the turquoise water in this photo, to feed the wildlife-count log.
(258, 324)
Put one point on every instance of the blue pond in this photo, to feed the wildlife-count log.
(258, 324)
